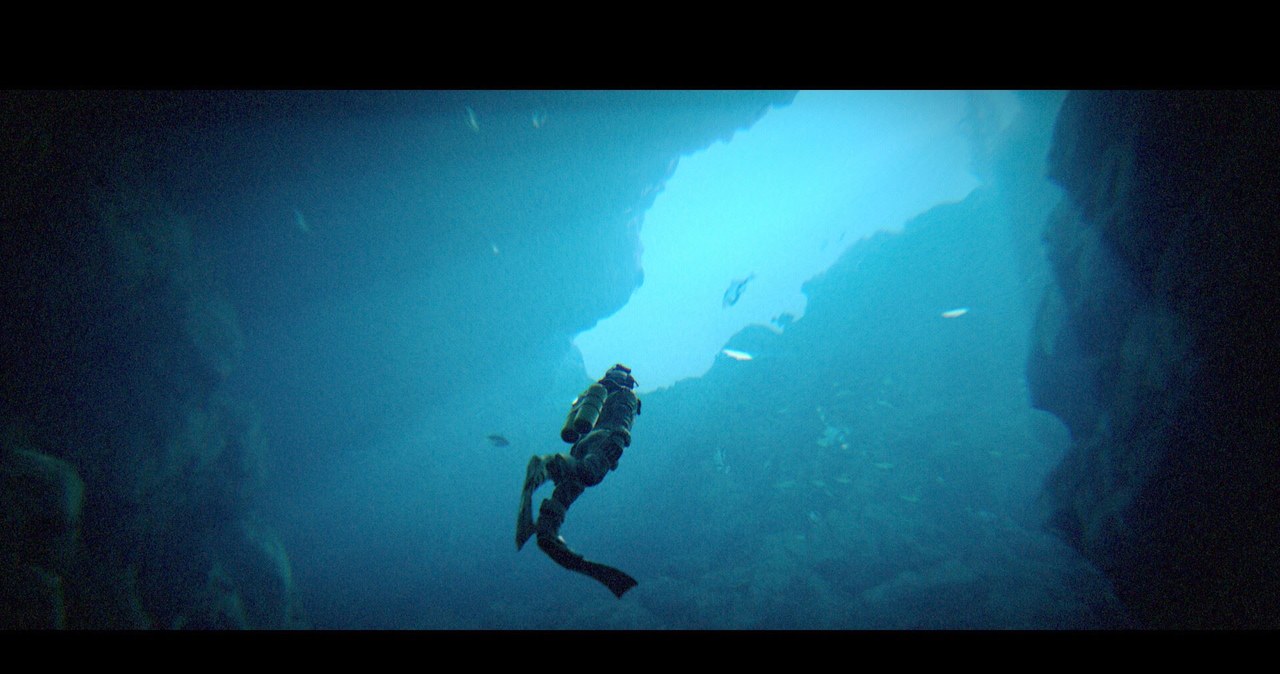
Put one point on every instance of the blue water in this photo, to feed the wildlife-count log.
(407, 285)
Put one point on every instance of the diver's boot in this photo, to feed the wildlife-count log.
(534, 475)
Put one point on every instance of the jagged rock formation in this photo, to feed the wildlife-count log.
(127, 472)
(40, 502)
(1156, 346)
(120, 336)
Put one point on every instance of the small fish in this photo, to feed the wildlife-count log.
(736, 355)
(539, 118)
(955, 313)
(884, 465)
(300, 222)
(498, 440)
(734, 293)
(471, 119)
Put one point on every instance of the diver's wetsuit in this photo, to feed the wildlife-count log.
(593, 454)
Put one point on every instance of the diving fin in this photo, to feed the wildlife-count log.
(524, 521)
(616, 580)
(535, 474)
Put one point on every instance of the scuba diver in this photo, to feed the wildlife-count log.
(599, 426)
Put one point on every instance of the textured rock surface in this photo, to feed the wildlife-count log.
(873, 467)
(40, 502)
(121, 336)
(1156, 348)
(126, 457)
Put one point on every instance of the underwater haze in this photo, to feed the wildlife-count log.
(777, 205)
(827, 299)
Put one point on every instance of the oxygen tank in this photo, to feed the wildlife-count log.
(567, 432)
(582, 418)
(589, 409)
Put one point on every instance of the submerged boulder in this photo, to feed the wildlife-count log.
(41, 498)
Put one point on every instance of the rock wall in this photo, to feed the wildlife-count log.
(1156, 348)
(139, 277)
(127, 473)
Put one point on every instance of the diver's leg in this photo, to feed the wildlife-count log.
(561, 469)
(550, 517)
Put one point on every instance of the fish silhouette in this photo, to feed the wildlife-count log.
(498, 440)
(735, 290)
